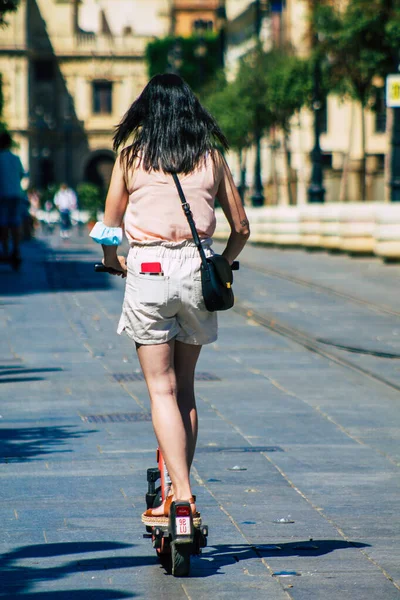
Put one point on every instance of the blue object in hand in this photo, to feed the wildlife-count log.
(108, 236)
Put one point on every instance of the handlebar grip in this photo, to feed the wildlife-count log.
(235, 265)
(100, 268)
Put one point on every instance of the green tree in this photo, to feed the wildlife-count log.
(270, 87)
(239, 106)
(288, 89)
(361, 42)
(233, 113)
(7, 6)
(252, 85)
(90, 199)
(196, 59)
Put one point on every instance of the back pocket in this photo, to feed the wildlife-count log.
(152, 289)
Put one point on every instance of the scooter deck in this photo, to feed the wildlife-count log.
(163, 521)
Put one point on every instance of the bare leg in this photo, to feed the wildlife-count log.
(186, 356)
(157, 362)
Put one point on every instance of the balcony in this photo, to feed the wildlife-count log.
(80, 45)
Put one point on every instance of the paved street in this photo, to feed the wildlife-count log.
(301, 391)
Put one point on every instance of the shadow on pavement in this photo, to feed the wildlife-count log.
(222, 555)
(18, 373)
(46, 268)
(26, 443)
(17, 581)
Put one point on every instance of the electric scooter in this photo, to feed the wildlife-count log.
(177, 537)
(180, 535)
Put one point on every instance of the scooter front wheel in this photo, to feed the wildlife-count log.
(180, 559)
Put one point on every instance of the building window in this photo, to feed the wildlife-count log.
(380, 111)
(202, 26)
(102, 97)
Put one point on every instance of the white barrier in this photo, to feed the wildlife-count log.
(286, 226)
(310, 225)
(261, 222)
(355, 228)
(330, 226)
(387, 232)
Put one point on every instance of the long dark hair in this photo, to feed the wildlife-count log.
(171, 130)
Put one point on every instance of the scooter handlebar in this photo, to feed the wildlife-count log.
(100, 268)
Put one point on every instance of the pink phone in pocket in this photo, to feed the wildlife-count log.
(151, 268)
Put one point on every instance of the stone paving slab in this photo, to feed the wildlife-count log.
(71, 491)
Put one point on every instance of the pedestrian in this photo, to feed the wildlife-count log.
(11, 198)
(163, 310)
(66, 201)
(34, 201)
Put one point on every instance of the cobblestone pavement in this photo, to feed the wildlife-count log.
(302, 391)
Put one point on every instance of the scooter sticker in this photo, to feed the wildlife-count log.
(183, 526)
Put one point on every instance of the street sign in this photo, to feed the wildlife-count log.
(393, 91)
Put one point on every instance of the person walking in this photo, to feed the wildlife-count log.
(11, 200)
(163, 310)
(66, 201)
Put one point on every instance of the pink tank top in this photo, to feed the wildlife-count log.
(154, 210)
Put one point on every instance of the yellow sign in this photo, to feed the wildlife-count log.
(393, 91)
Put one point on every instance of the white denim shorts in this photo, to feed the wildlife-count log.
(158, 308)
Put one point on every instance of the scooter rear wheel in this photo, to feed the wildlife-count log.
(180, 559)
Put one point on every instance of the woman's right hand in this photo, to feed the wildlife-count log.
(116, 266)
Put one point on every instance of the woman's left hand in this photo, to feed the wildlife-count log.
(117, 266)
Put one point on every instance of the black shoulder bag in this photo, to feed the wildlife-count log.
(216, 272)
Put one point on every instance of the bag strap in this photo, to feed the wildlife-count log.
(189, 216)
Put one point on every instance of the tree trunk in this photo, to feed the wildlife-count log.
(388, 156)
(347, 160)
(302, 171)
(287, 175)
(363, 170)
(242, 168)
(274, 173)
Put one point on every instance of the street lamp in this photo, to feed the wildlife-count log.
(201, 48)
(257, 198)
(395, 138)
(316, 190)
(175, 60)
(220, 26)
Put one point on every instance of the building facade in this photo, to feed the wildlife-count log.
(189, 16)
(70, 69)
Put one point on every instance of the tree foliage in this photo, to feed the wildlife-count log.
(361, 42)
(233, 113)
(268, 90)
(7, 6)
(90, 198)
(252, 81)
(289, 87)
(197, 60)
